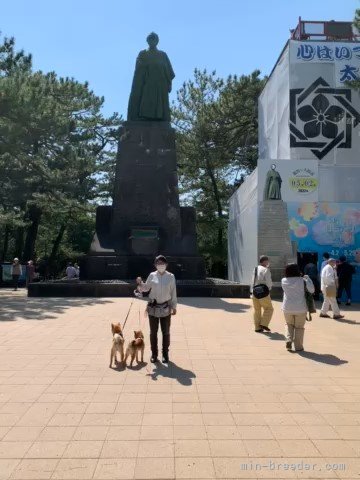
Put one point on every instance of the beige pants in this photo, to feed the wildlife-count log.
(330, 302)
(295, 329)
(263, 311)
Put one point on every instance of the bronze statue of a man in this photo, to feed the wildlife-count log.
(149, 98)
(272, 190)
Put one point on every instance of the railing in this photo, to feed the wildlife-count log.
(328, 31)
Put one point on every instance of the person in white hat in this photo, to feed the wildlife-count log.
(328, 288)
(16, 272)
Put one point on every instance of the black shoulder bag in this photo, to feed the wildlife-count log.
(310, 303)
(261, 290)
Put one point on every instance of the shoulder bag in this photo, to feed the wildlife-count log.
(261, 290)
(310, 303)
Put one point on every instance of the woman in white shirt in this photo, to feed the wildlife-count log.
(162, 305)
(294, 305)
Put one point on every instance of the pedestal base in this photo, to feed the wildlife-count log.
(274, 236)
(114, 267)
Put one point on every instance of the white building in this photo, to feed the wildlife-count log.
(309, 128)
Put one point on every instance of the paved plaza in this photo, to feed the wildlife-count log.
(232, 404)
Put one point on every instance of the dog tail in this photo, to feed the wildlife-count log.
(118, 338)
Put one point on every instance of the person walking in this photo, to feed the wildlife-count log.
(263, 308)
(162, 304)
(326, 257)
(345, 271)
(30, 272)
(16, 272)
(328, 288)
(294, 305)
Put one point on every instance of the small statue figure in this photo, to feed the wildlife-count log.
(149, 97)
(272, 190)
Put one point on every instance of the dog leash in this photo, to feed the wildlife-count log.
(127, 316)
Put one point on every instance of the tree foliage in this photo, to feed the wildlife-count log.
(216, 124)
(55, 150)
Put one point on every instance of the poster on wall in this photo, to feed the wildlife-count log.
(324, 109)
(290, 181)
(328, 227)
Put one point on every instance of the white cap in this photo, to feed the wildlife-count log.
(16, 259)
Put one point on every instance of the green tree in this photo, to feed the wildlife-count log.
(216, 124)
(55, 144)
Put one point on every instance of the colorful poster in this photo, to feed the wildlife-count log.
(328, 227)
(291, 181)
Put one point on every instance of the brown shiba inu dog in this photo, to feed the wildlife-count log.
(135, 346)
(118, 343)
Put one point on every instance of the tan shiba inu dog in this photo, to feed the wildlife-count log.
(118, 343)
(135, 346)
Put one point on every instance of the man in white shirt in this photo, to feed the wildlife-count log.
(70, 271)
(328, 288)
(263, 309)
(163, 303)
(326, 257)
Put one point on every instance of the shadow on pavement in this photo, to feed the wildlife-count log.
(20, 307)
(275, 336)
(172, 371)
(323, 358)
(213, 304)
(344, 320)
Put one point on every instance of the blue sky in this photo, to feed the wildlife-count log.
(98, 41)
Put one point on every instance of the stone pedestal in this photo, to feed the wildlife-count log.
(274, 236)
(145, 218)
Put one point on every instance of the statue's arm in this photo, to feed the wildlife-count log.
(169, 71)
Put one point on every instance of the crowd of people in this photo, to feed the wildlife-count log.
(335, 278)
(27, 273)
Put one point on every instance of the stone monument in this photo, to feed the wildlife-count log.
(273, 228)
(146, 218)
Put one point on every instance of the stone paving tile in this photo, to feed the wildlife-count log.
(75, 469)
(154, 468)
(34, 469)
(46, 449)
(214, 412)
(115, 469)
(83, 449)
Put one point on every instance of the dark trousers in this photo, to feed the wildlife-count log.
(15, 281)
(317, 287)
(344, 285)
(165, 329)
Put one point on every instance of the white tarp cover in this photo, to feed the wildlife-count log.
(274, 112)
(242, 231)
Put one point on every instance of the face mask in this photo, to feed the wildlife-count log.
(161, 268)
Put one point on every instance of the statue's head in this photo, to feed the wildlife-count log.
(273, 166)
(152, 39)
